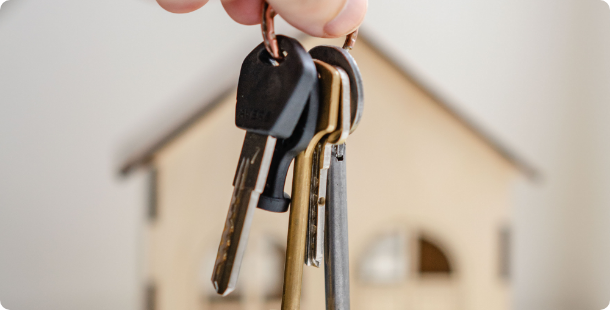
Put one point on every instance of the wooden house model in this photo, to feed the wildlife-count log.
(430, 199)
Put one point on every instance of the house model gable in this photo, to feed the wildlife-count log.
(429, 200)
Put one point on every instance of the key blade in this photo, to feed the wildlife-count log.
(336, 266)
(312, 220)
(321, 203)
(239, 192)
(249, 183)
(317, 205)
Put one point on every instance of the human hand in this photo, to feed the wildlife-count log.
(320, 18)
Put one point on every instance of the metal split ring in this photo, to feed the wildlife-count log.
(268, 30)
(350, 40)
(270, 41)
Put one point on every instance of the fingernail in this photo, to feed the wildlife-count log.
(348, 19)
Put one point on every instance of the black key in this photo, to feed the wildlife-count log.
(274, 198)
(270, 100)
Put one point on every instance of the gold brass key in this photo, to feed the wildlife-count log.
(314, 251)
(328, 115)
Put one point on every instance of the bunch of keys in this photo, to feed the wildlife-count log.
(301, 106)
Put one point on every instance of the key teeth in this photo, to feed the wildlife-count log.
(249, 183)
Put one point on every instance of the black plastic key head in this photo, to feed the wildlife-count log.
(273, 197)
(271, 98)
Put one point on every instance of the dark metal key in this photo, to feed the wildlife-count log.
(271, 97)
(336, 251)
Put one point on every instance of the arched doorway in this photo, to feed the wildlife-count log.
(403, 269)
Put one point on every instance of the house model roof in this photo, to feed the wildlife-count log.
(142, 153)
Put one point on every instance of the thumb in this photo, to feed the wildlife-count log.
(320, 18)
(181, 6)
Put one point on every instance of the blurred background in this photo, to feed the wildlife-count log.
(80, 79)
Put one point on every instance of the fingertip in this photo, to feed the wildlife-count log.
(348, 20)
(322, 18)
(246, 12)
(181, 6)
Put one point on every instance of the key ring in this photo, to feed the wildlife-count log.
(268, 29)
(270, 41)
(350, 40)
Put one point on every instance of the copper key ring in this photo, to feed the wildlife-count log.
(268, 30)
(350, 40)
(270, 41)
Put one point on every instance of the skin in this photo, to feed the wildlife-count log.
(320, 18)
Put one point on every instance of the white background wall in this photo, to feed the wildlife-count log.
(79, 79)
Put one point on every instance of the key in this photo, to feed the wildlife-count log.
(297, 227)
(321, 162)
(270, 100)
(273, 197)
(339, 57)
(336, 254)
(330, 82)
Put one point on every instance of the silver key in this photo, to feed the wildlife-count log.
(336, 254)
(270, 100)
(249, 183)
